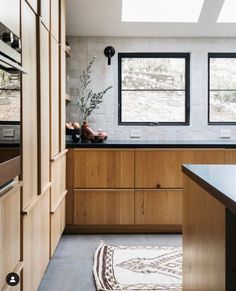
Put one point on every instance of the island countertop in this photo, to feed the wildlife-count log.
(231, 144)
(217, 180)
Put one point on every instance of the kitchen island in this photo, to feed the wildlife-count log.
(209, 227)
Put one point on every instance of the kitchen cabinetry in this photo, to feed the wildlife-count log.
(10, 235)
(36, 236)
(163, 207)
(136, 189)
(62, 99)
(10, 15)
(45, 6)
(99, 168)
(162, 168)
(29, 105)
(44, 109)
(55, 19)
(104, 207)
(34, 5)
(55, 121)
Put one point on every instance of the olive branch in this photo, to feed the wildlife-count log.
(89, 100)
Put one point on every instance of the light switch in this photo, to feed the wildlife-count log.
(8, 132)
(225, 133)
(135, 133)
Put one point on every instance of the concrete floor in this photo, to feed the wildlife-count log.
(71, 266)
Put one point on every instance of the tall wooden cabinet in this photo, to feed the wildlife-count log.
(32, 213)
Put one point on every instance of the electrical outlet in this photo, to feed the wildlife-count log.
(135, 133)
(225, 133)
(8, 132)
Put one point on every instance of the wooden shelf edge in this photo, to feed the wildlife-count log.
(157, 228)
(31, 205)
(11, 191)
(57, 156)
(17, 270)
(59, 202)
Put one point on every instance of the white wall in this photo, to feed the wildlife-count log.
(106, 117)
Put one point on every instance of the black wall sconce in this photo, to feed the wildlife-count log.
(109, 52)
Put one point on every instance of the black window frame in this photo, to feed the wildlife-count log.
(217, 55)
(186, 56)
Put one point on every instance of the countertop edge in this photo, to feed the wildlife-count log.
(216, 193)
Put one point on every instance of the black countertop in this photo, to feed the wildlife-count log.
(155, 144)
(9, 143)
(218, 180)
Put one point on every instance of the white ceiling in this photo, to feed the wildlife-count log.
(103, 18)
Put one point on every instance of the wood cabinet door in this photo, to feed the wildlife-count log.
(63, 23)
(29, 105)
(230, 156)
(10, 234)
(103, 207)
(57, 226)
(45, 12)
(55, 19)
(162, 168)
(159, 207)
(104, 168)
(10, 15)
(44, 108)
(62, 99)
(55, 118)
(36, 236)
(34, 5)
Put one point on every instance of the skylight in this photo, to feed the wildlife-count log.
(227, 14)
(161, 10)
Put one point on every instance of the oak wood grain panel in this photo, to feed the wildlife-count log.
(55, 18)
(162, 168)
(70, 187)
(58, 179)
(203, 240)
(62, 19)
(159, 207)
(99, 168)
(36, 237)
(45, 12)
(10, 234)
(10, 15)
(30, 110)
(44, 108)
(55, 120)
(34, 5)
(57, 226)
(230, 156)
(62, 99)
(103, 207)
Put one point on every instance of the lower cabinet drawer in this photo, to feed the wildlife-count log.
(57, 225)
(103, 207)
(163, 207)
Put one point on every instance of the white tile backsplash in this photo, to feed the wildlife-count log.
(106, 117)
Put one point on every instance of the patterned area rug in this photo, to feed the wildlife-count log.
(138, 268)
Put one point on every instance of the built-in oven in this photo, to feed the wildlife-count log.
(10, 107)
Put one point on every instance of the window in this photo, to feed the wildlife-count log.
(222, 88)
(154, 88)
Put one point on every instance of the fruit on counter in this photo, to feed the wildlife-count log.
(76, 125)
(69, 125)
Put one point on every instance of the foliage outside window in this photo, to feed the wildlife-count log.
(222, 88)
(154, 88)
